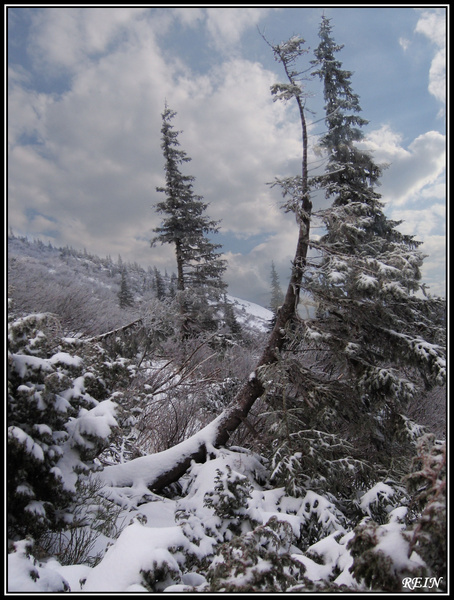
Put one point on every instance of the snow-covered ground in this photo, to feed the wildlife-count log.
(172, 545)
(160, 536)
(163, 534)
(251, 314)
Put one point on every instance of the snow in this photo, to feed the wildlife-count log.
(162, 534)
(23, 362)
(393, 544)
(372, 496)
(146, 469)
(95, 423)
(43, 429)
(24, 439)
(336, 276)
(367, 282)
(139, 548)
(63, 358)
(26, 575)
(251, 313)
(36, 508)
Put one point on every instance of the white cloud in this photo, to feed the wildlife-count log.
(86, 162)
(422, 223)
(189, 16)
(432, 24)
(414, 171)
(434, 268)
(404, 43)
(414, 191)
(98, 160)
(67, 38)
(437, 76)
(227, 25)
(248, 274)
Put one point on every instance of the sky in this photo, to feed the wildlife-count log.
(87, 87)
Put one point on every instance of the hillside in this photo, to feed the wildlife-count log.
(83, 288)
(102, 399)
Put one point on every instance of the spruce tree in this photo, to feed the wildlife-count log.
(125, 296)
(277, 295)
(185, 224)
(375, 342)
(159, 284)
(350, 173)
(345, 378)
(367, 262)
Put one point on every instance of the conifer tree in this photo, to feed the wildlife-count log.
(374, 342)
(345, 377)
(60, 419)
(229, 317)
(339, 382)
(159, 284)
(277, 295)
(125, 296)
(350, 173)
(185, 225)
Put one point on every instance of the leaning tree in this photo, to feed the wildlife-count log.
(372, 340)
(343, 386)
(167, 467)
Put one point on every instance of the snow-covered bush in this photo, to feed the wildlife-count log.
(27, 574)
(427, 482)
(56, 427)
(310, 506)
(258, 561)
(412, 541)
(317, 460)
(142, 559)
(218, 502)
(382, 498)
(230, 500)
(382, 555)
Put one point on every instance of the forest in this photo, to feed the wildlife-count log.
(165, 437)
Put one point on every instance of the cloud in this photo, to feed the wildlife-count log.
(227, 25)
(404, 43)
(68, 38)
(432, 24)
(414, 191)
(84, 163)
(434, 268)
(89, 158)
(422, 223)
(415, 171)
(249, 275)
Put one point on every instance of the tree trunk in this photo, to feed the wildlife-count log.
(234, 415)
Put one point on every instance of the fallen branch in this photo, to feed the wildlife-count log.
(102, 336)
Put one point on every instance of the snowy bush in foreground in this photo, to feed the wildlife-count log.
(258, 561)
(412, 543)
(225, 532)
(56, 427)
(26, 574)
(382, 555)
(427, 481)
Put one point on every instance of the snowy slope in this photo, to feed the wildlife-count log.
(251, 314)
